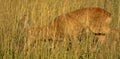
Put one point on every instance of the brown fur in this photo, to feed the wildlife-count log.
(72, 24)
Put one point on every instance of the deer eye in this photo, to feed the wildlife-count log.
(99, 34)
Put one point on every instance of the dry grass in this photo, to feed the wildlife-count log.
(20, 21)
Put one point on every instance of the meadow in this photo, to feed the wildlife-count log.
(20, 21)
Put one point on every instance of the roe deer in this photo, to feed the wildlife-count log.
(70, 25)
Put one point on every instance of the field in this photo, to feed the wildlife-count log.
(20, 21)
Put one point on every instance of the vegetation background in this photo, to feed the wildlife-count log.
(18, 17)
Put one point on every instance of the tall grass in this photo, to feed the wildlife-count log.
(19, 26)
